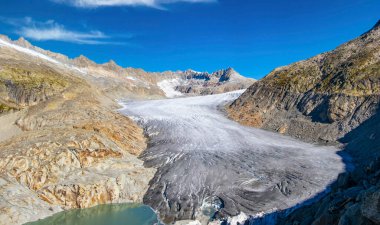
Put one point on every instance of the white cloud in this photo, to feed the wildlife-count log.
(104, 3)
(51, 30)
(59, 33)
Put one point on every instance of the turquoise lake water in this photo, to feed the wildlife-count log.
(111, 214)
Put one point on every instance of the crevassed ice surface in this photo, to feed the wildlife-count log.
(200, 154)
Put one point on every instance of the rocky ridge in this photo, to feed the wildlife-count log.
(204, 83)
(117, 81)
(330, 98)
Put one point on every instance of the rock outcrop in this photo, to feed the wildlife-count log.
(330, 98)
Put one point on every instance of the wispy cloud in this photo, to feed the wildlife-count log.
(51, 30)
(105, 3)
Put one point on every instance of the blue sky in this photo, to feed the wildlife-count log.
(253, 36)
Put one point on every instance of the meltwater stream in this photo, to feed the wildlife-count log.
(204, 159)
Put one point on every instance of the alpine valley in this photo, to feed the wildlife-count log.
(299, 146)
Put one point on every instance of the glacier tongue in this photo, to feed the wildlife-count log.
(200, 153)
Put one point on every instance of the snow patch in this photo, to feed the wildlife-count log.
(196, 72)
(131, 78)
(39, 55)
(28, 51)
(196, 222)
(80, 70)
(239, 219)
(188, 222)
(167, 86)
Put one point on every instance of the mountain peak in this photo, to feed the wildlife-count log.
(111, 62)
(112, 65)
(24, 43)
(5, 38)
(82, 57)
(226, 70)
(230, 68)
(224, 74)
(82, 61)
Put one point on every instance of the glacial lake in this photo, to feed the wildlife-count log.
(110, 214)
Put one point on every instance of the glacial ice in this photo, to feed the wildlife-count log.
(200, 153)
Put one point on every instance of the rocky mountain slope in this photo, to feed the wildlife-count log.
(71, 150)
(336, 91)
(332, 97)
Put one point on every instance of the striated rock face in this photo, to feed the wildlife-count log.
(332, 97)
(24, 85)
(76, 170)
(90, 163)
(18, 204)
(71, 163)
(303, 115)
(73, 155)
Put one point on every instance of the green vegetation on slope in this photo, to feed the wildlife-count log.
(33, 79)
(352, 69)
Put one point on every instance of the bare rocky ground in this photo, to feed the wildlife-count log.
(72, 151)
(203, 158)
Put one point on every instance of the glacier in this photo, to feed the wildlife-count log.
(201, 154)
